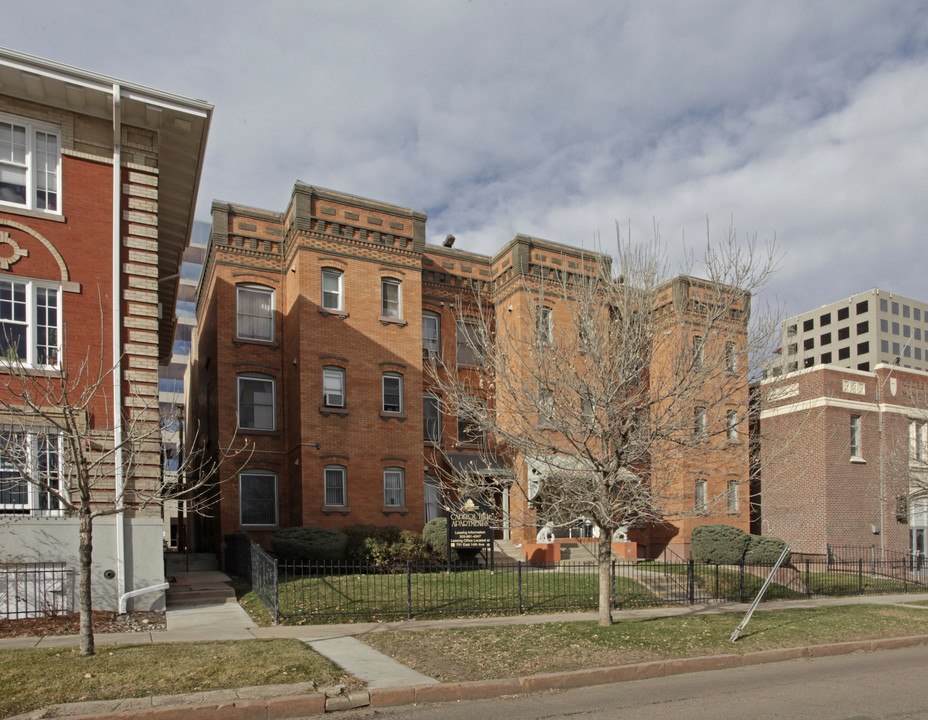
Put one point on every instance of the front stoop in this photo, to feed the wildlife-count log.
(184, 592)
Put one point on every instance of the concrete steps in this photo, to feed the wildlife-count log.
(578, 552)
(508, 553)
(186, 591)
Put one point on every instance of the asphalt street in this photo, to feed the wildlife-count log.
(887, 684)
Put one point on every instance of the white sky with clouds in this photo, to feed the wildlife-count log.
(807, 121)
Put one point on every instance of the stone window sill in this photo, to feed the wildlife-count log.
(329, 509)
(337, 313)
(858, 460)
(393, 416)
(323, 410)
(384, 320)
(394, 509)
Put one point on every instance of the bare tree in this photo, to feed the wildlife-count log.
(54, 441)
(608, 393)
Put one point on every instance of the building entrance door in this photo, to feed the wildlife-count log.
(918, 538)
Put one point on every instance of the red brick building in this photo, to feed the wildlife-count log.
(98, 180)
(843, 458)
(314, 327)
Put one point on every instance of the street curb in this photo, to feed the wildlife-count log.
(223, 705)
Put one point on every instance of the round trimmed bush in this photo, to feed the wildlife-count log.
(763, 550)
(309, 544)
(718, 544)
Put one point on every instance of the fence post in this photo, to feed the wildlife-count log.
(741, 581)
(612, 600)
(691, 581)
(860, 576)
(276, 575)
(520, 586)
(408, 591)
(808, 581)
(873, 559)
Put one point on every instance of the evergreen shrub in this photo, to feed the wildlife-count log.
(718, 544)
(309, 544)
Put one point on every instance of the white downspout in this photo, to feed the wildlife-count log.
(117, 346)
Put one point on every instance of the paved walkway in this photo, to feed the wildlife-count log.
(397, 683)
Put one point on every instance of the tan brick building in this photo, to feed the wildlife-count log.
(315, 325)
(98, 181)
(843, 459)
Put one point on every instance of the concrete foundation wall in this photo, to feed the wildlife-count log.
(36, 540)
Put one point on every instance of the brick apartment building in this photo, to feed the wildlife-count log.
(98, 179)
(314, 328)
(843, 459)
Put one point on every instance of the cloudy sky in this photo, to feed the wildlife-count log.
(803, 121)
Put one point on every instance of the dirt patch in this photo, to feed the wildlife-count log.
(103, 622)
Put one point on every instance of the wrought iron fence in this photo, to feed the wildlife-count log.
(318, 593)
(29, 590)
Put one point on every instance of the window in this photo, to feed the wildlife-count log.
(336, 494)
(864, 305)
(826, 358)
(732, 496)
(257, 498)
(433, 504)
(587, 413)
(825, 339)
(731, 357)
(468, 426)
(863, 327)
(808, 325)
(544, 330)
(40, 453)
(256, 402)
(825, 319)
(884, 346)
(918, 440)
(844, 333)
(855, 436)
(29, 319)
(918, 334)
(809, 362)
(844, 313)
(332, 289)
(905, 311)
(732, 425)
(808, 343)
(884, 325)
(470, 347)
(255, 306)
(333, 387)
(863, 366)
(431, 336)
(792, 367)
(700, 504)
(391, 298)
(30, 174)
(792, 349)
(917, 314)
(393, 488)
(895, 308)
(895, 348)
(699, 422)
(790, 330)
(844, 353)
(884, 305)
(431, 416)
(699, 351)
(392, 393)
(863, 348)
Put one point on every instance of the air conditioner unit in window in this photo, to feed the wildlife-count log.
(430, 354)
(333, 400)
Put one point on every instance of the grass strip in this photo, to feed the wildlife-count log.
(516, 650)
(34, 678)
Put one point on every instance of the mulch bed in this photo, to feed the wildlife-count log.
(103, 622)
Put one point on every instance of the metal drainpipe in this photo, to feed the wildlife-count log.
(117, 346)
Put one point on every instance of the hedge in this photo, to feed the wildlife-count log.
(309, 544)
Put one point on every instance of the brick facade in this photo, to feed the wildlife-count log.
(358, 246)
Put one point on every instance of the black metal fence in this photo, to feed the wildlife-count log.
(29, 590)
(317, 593)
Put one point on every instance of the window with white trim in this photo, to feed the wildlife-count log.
(700, 501)
(30, 466)
(732, 425)
(469, 342)
(30, 318)
(30, 165)
(391, 304)
(731, 358)
(431, 336)
(732, 496)
(544, 327)
(855, 436)
(394, 487)
(918, 440)
(699, 422)
(431, 415)
(332, 289)
(257, 402)
(257, 497)
(433, 503)
(333, 387)
(255, 312)
(392, 393)
(336, 492)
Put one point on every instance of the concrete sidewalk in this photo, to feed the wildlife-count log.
(391, 683)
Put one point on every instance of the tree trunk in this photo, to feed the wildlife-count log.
(604, 555)
(85, 553)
